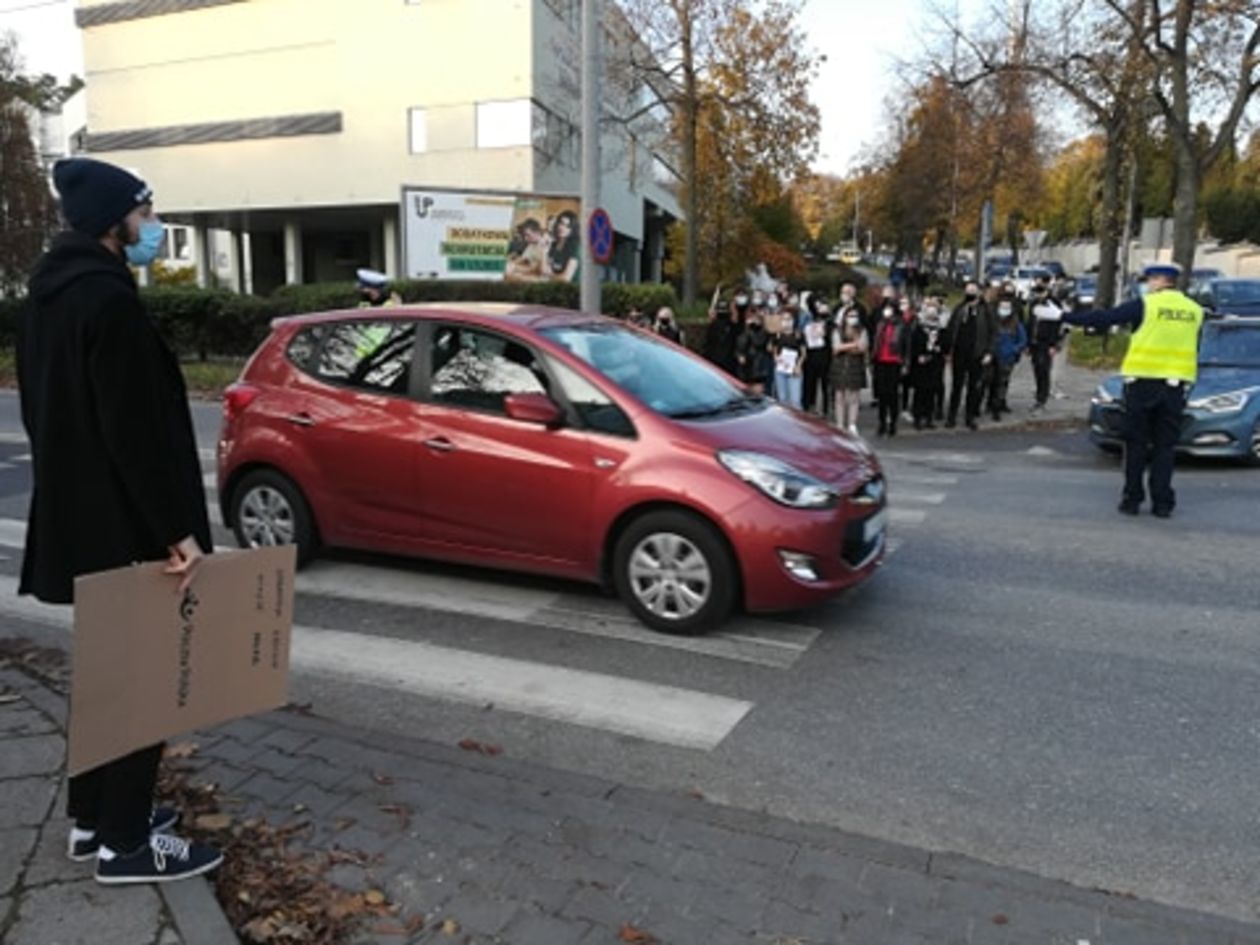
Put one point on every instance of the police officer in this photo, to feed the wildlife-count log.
(374, 289)
(1161, 365)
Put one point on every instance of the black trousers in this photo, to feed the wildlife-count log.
(929, 392)
(999, 385)
(1152, 425)
(817, 393)
(1042, 358)
(887, 393)
(967, 375)
(116, 799)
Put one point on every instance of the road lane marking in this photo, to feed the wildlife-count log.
(896, 495)
(12, 533)
(920, 479)
(900, 516)
(659, 713)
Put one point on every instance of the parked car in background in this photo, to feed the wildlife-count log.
(1025, 276)
(1085, 288)
(546, 441)
(1231, 296)
(1222, 415)
(1055, 268)
(1201, 278)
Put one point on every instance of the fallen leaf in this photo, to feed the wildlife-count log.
(450, 927)
(344, 906)
(631, 934)
(383, 780)
(374, 897)
(1000, 919)
(471, 744)
(260, 930)
(213, 822)
(342, 823)
(401, 811)
(180, 750)
(8, 698)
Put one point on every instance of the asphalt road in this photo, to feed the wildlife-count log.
(1032, 679)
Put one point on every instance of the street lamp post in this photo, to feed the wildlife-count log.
(592, 28)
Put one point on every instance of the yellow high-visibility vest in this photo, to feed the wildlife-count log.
(1166, 346)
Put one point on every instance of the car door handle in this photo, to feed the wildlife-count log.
(301, 420)
(440, 443)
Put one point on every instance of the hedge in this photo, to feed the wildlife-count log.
(199, 323)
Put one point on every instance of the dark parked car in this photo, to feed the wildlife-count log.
(1222, 415)
(1231, 296)
(547, 441)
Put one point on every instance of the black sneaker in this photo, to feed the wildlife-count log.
(1129, 507)
(165, 860)
(162, 820)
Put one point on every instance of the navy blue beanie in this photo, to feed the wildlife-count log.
(95, 196)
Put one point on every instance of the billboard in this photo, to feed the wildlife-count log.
(457, 234)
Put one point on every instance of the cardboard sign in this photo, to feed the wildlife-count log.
(150, 664)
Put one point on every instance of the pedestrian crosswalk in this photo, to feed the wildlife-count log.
(608, 697)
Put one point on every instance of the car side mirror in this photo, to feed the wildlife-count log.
(534, 408)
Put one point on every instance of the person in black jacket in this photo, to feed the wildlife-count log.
(116, 470)
(722, 334)
(970, 340)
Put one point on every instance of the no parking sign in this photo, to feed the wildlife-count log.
(600, 232)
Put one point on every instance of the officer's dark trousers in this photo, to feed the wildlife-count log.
(116, 799)
(817, 392)
(1153, 411)
(966, 375)
(1042, 359)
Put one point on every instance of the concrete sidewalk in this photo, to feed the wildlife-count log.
(474, 847)
(45, 899)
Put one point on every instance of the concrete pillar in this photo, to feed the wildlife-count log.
(389, 236)
(203, 255)
(237, 261)
(247, 269)
(292, 253)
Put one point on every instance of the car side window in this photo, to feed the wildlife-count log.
(305, 343)
(372, 356)
(594, 408)
(478, 369)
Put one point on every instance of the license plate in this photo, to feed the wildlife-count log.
(874, 526)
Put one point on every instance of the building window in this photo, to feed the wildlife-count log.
(504, 124)
(555, 138)
(183, 246)
(418, 130)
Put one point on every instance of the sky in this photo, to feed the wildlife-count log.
(861, 38)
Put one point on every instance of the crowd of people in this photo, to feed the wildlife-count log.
(923, 361)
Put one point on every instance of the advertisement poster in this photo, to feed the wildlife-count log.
(493, 237)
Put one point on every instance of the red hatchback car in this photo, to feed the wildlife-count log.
(546, 441)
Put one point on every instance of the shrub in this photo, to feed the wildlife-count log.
(618, 298)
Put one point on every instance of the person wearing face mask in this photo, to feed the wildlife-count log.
(817, 334)
(1012, 339)
(789, 357)
(849, 345)
(666, 327)
(752, 351)
(927, 366)
(890, 353)
(117, 475)
(969, 342)
(723, 332)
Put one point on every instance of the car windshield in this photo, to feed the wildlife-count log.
(1236, 292)
(1226, 345)
(668, 381)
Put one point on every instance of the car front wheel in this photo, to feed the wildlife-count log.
(268, 509)
(675, 573)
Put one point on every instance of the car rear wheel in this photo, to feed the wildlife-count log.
(1253, 457)
(675, 573)
(268, 509)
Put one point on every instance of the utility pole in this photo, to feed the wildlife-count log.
(592, 61)
(857, 208)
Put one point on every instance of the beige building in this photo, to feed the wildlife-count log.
(293, 125)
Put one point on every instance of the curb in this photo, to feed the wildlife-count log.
(196, 913)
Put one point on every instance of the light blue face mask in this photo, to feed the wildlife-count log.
(145, 250)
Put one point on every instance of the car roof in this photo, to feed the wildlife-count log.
(487, 314)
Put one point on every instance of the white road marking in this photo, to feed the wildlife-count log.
(12, 533)
(921, 479)
(658, 713)
(207, 453)
(210, 481)
(11, 438)
(896, 495)
(906, 516)
(7, 466)
(665, 714)
(1042, 451)
(894, 545)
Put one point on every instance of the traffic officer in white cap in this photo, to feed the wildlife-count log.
(374, 289)
(1159, 369)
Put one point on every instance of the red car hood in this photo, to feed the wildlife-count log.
(810, 444)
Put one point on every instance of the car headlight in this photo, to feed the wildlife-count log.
(1223, 403)
(780, 481)
(1103, 396)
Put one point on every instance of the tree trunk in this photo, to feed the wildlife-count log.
(1185, 207)
(691, 123)
(1108, 235)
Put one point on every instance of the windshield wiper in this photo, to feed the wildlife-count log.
(731, 406)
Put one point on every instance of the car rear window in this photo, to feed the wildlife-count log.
(369, 355)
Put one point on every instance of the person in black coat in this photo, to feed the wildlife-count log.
(970, 342)
(117, 479)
